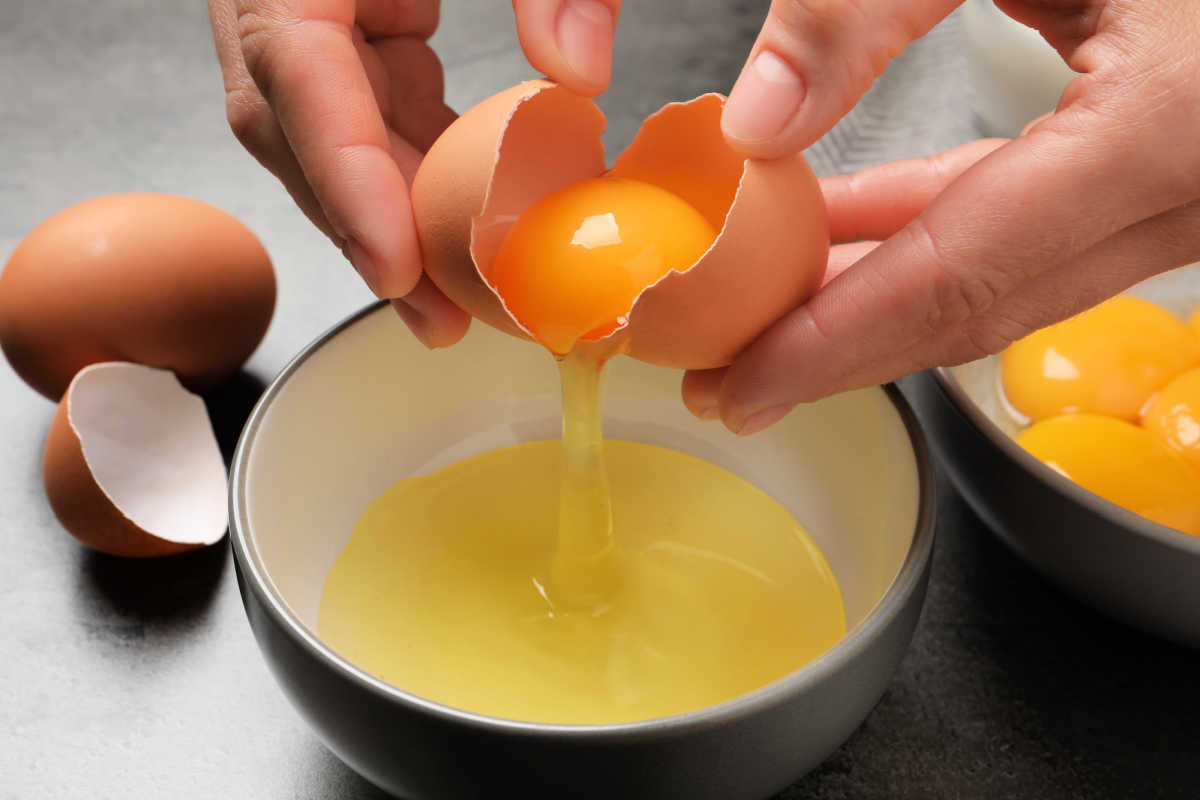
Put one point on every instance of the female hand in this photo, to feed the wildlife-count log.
(339, 99)
(983, 244)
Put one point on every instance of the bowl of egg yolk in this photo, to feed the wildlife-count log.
(1079, 445)
(399, 519)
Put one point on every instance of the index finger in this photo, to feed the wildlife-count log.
(302, 56)
(569, 40)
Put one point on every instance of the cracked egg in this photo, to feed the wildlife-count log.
(681, 254)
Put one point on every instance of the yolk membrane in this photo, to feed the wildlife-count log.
(1107, 360)
(1122, 463)
(575, 262)
(1173, 417)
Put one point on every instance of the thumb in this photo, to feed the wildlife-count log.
(569, 40)
(811, 63)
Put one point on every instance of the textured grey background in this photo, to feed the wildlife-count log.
(127, 680)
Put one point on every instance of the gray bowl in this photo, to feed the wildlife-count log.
(1134, 570)
(364, 406)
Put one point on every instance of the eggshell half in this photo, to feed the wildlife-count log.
(132, 467)
(768, 258)
(517, 146)
(490, 165)
(154, 279)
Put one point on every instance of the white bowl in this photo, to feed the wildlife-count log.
(365, 406)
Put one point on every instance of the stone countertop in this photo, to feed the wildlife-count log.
(128, 679)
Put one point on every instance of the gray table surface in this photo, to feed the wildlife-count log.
(140, 679)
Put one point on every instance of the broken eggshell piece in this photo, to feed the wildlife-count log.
(131, 466)
(521, 144)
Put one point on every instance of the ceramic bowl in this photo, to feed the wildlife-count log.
(364, 406)
(1134, 570)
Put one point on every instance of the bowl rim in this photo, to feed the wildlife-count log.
(848, 648)
(947, 382)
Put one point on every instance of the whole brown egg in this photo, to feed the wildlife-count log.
(153, 279)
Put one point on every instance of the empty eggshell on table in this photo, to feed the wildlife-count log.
(131, 465)
(153, 279)
(502, 155)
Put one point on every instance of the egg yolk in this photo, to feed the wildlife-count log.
(1107, 360)
(576, 260)
(1122, 463)
(1194, 323)
(1173, 416)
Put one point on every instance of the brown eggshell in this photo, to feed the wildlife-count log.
(768, 258)
(131, 466)
(149, 278)
(491, 164)
(512, 149)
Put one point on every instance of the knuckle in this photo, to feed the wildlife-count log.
(961, 297)
(247, 115)
(257, 52)
(262, 31)
(957, 292)
(816, 328)
(805, 386)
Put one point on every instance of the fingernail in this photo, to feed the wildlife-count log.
(763, 100)
(584, 35)
(363, 265)
(414, 320)
(709, 414)
(763, 419)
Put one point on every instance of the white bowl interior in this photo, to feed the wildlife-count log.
(370, 406)
(1178, 291)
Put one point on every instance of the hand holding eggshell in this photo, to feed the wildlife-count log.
(988, 242)
(345, 132)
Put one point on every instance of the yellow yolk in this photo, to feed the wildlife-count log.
(1194, 323)
(1173, 416)
(574, 263)
(1122, 463)
(1107, 360)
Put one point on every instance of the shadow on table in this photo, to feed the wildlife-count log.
(156, 589)
(338, 780)
(1013, 689)
(229, 406)
(1098, 693)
